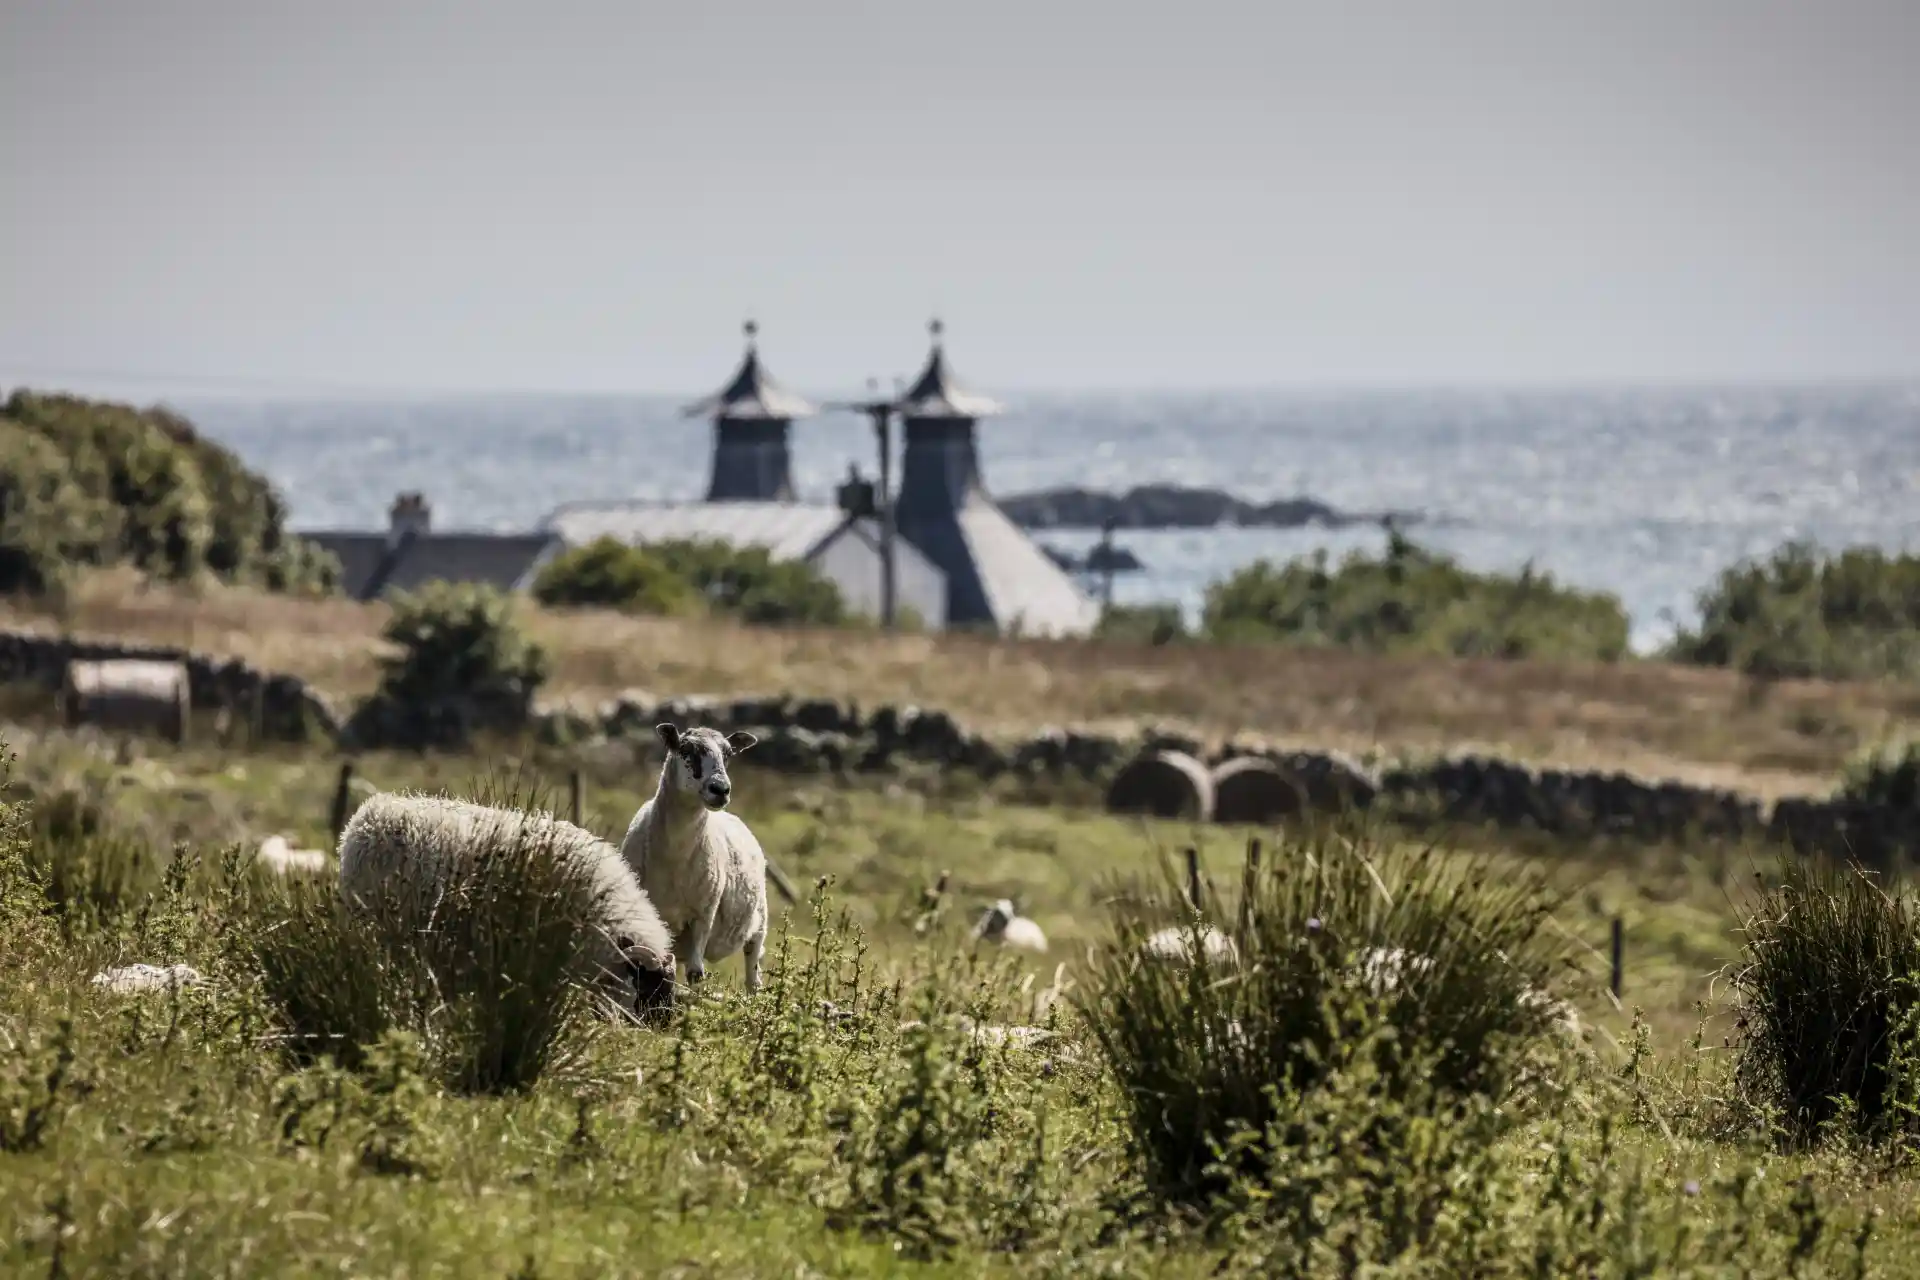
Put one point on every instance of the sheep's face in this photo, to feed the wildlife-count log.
(652, 986)
(697, 761)
(993, 925)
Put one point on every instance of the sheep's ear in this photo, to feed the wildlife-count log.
(739, 740)
(669, 734)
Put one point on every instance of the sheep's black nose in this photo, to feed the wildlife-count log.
(720, 788)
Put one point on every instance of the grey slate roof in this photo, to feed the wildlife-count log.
(752, 394)
(507, 561)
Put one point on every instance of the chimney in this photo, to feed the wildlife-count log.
(410, 516)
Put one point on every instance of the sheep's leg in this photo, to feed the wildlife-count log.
(698, 932)
(755, 949)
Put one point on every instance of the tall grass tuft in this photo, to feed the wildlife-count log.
(490, 973)
(1828, 997)
(1212, 1055)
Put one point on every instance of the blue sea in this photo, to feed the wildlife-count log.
(1644, 493)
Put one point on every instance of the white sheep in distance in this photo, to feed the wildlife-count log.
(278, 855)
(1176, 943)
(133, 978)
(1003, 925)
(1379, 969)
(406, 847)
(701, 865)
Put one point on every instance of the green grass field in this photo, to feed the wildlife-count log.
(806, 1131)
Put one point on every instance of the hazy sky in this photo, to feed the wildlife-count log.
(574, 196)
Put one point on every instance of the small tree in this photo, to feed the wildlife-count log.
(749, 584)
(461, 664)
(608, 573)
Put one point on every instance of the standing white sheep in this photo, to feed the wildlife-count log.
(406, 848)
(1003, 925)
(701, 865)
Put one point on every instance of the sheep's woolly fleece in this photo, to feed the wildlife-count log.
(408, 846)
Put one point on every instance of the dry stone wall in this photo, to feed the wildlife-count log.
(283, 707)
(819, 735)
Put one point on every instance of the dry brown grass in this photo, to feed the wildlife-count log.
(1650, 718)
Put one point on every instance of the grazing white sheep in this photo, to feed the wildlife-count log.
(701, 865)
(406, 847)
(1176, 943)
(132, 978)
(1382, 968)
(1003, 925)
(278, 855)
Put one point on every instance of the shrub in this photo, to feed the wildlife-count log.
(1829, 1010)
(1142, 623)
(90, 483)
(749, 584)
(1414, 600)
(461, 665)
(1887, 775)
(1800, 613)
(608, 573)
(490, 986)
(1213, 1056)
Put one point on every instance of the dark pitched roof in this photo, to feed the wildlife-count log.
(997, 574)
(936, 393)
(369, 567)
(752, 393)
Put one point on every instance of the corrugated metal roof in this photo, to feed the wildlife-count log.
(751, 394)
(788, 530)
(1025, 589)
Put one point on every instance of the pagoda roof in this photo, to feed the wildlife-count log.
(936, 393)
(752, 393)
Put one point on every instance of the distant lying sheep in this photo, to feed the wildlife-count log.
(408, 846)
(1380, 969)
(701, 865)
(1003, 925)
(1176, 943)
(279, 856)
(133, 978)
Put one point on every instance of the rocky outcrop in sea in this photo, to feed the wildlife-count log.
(1167, 506)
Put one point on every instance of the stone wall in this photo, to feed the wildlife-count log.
(285, 709)
(817, 735)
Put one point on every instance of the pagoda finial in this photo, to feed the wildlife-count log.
(752, 329)
(936, 328)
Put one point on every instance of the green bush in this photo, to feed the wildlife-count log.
(749, 584)
(1801, 613)
(689, 575)
(88, 483)
(461, 664)
(1142, 624)
(1414, 600)
(1887, 775)
(1213, 1057)
(610, 574)
(1828, 996)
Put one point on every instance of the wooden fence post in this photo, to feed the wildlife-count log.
(342, 797)
(1249, 881)
(1619, 956)
(575, 796)
(1193, 877)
